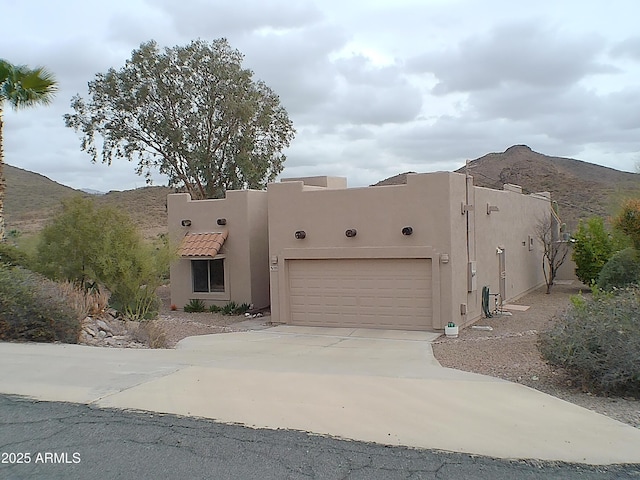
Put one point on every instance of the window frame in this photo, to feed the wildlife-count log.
(210, 295)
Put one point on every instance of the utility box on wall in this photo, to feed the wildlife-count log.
(471, 277)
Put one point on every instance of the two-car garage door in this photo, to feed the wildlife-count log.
(369, 293)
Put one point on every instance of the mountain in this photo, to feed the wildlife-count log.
(91, 191)
(32, 199)
(581, 189)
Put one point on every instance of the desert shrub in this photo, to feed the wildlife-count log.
(87, 244)
(231, 308)
(598, 342)
(151, 334)
(622, 269)
(628, 220)
(195, 305)
(34, 308)
(85, 301)
(593, 247)
(12, 255)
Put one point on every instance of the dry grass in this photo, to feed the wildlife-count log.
(150, 333)
(84, 302)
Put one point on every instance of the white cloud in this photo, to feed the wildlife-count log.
(373, 88)
(205, 19)
(524, 53)
(627, 48)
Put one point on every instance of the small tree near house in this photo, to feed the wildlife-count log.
(555, 250)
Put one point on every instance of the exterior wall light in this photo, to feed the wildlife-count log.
(300, 234)
(352, 232)
(407, 230)
(186, 223)
(221, 221)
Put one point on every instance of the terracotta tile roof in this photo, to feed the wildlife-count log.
(202, 244)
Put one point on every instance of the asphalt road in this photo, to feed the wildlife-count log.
(68, 441)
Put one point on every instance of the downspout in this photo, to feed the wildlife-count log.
(466, 202)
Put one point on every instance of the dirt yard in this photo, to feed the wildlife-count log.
(509, 351)
(177, 324)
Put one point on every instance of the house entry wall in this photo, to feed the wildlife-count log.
(389, 293)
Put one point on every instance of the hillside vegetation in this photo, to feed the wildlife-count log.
(32, 199)
(581, 189)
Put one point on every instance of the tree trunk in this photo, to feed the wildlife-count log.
(2, 181)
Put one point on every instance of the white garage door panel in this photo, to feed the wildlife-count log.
(376, 293)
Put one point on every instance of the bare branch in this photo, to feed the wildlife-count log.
(554, 248)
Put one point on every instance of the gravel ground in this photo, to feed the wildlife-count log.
(510, 352)
(177, 324)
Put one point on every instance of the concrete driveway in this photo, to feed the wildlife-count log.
(370, 385)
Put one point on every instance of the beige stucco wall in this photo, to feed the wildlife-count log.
(245, 250)
(430, 203)
(567, 270)
(448, 215)
(510, 228)
(320, 181)
(378, 214)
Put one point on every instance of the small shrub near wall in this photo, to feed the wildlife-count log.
(622, 269)
(598, 342)
(33, 308)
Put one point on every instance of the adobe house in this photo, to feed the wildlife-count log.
(412, 256)
(222, 249)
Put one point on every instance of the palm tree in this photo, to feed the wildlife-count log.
(21, 86)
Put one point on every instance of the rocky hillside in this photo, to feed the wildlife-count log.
(581, 189)
(32, 199)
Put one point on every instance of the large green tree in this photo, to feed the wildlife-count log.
(594, 246)
(21, 86)
(191, 112)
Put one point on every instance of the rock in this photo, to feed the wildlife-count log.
(102, 334)
(103, 326)
(482, 327)
(113, 342)
(90, 331)
(85, 337)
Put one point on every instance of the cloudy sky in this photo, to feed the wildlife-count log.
(374, 87)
